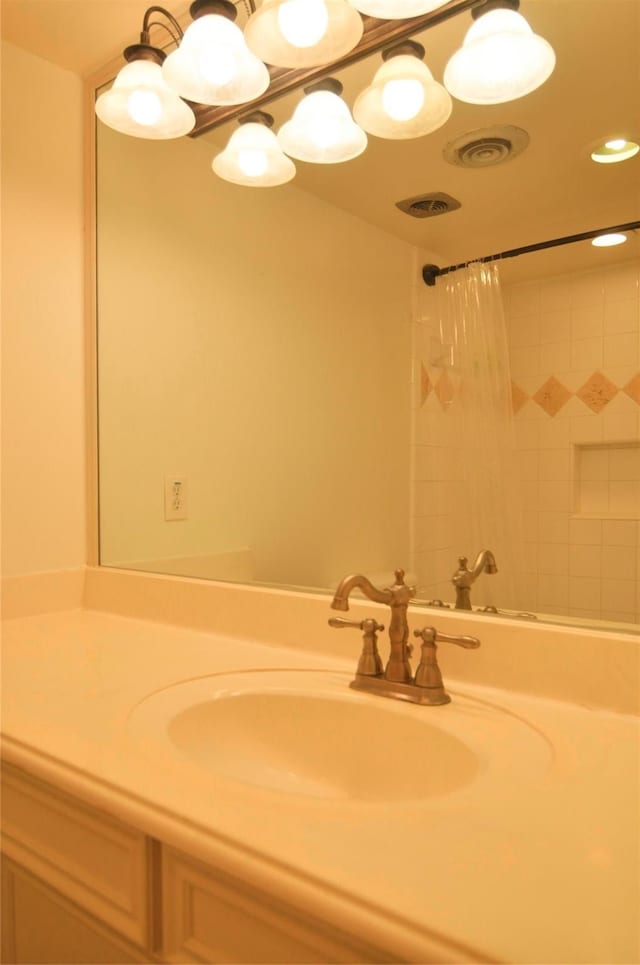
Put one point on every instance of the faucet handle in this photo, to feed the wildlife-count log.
(430, 636)
(428, 673)
(370, 662)
(369, 625)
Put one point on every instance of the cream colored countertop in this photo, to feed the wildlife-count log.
(544, 872)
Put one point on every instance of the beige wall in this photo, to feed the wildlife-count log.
(43, 519)
(257, 341)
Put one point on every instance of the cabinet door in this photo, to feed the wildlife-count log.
(97, 862)
(210, 917)
(39, 925)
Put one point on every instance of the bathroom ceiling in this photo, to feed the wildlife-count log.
(551, 190)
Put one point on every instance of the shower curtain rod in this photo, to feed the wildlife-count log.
(431, 272)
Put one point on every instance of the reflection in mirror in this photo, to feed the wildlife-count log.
(278, 389)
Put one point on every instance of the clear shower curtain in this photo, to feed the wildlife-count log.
(481, 431)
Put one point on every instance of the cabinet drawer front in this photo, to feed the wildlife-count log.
(83, 853)
(39, 925)
(209, 917)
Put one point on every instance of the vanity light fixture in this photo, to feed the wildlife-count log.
(212, 64)
(140, 102)
(403, 99)
(615, 150)
(215, 71)
(609, 240)
(501, 58)
(322, 129)
(303, 33)
(253, 156)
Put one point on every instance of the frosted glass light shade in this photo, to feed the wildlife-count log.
(403, 100)
(213, 64)
(322, 130)
(396, 9)
(141, 104)
(254, 157)
(500, 60)
(303, 33)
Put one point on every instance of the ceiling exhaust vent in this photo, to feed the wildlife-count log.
(428, 205)
(486, 147)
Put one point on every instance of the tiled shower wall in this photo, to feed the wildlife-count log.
(575, 364)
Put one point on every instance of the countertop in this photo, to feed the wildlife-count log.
(542, 871)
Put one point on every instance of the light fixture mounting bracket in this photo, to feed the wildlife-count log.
(221, 8)
(409, 48)
(489, 5)
(257, 117)
(144, 52)
(331, 84)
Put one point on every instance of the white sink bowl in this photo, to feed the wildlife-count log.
(306, 733)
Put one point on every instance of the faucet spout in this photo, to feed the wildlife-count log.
(464, 578)
(397, 597)
(357, 581)
(485, 562)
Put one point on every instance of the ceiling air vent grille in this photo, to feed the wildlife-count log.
(486, 147)
(428, 205)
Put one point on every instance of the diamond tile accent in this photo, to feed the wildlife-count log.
(444, 389)
(518, 398)
(597, 392)
(632, 388)
(552, 396)
(425, 385)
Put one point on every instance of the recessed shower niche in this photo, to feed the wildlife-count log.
(607, 480)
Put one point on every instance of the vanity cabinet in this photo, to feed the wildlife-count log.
(209, 917)
(81, 887)
(76, 881)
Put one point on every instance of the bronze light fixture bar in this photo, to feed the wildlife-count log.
(377, 35)
(431, 272)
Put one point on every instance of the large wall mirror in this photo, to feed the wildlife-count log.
(270, 359)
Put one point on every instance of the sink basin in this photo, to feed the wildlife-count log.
(305, 733)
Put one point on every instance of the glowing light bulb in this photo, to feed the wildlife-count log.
(609, 241)
(252, 162)
(615, 150)
(303, 23)
(402, 99)
(144, 107)
(325, 132)
(217, 66)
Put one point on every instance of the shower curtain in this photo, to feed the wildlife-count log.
(466, 385)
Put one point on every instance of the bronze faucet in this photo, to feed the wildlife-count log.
(397, 679)
(464, 578)
(397, 597)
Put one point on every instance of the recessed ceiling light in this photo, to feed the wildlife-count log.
(614, 150)
(609, 241)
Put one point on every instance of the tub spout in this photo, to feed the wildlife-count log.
(464, 578)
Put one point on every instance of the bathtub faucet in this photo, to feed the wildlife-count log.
(464, 578)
